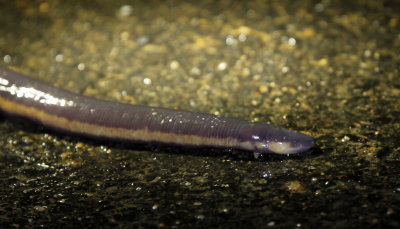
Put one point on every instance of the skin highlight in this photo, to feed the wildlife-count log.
(69, 112)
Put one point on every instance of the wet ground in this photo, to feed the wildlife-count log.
(326, 68)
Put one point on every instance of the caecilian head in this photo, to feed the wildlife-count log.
(272, 139)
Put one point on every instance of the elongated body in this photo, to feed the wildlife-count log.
(69, 112)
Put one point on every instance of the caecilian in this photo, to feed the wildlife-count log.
(84, 116)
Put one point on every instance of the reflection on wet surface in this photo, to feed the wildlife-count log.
(327, 70)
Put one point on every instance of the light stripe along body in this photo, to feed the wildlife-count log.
(73, 113)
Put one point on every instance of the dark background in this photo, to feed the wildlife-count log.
(329, 69)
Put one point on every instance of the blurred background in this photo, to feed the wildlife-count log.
(326, 68)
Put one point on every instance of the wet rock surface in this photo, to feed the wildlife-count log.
(326, 69)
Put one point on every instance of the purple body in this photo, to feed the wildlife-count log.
(257, 137)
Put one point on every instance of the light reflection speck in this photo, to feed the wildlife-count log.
(32, 93)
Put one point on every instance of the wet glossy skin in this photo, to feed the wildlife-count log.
(77, 114)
